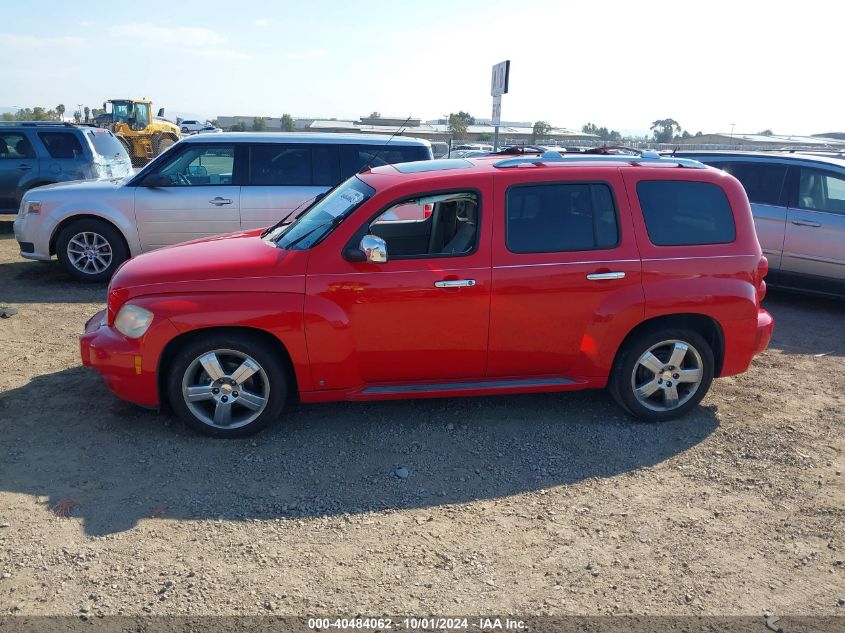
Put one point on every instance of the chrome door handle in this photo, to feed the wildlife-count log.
(25, 167)
(601, 276)
(455, 283)
(220, 201)
(805, 223)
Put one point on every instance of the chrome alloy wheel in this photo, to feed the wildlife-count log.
(225, 389)
(667, 375)
(89, 252)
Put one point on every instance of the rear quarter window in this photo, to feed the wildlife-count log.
(680, 213)
(61, 144)
(106, 144)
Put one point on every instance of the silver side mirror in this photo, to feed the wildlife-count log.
(374, 249)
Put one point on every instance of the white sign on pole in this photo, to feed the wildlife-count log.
(499, 82)
(497, 110)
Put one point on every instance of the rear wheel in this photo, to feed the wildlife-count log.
(91, 250)
(662, 374)
(227, 385)
(163, 144)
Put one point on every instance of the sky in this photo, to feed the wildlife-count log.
(713, 65)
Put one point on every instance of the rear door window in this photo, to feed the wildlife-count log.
(821, 191)
(14, 145)
(558, 217)
(354, 157)
(679, 213)
(61, 144)
(293, 165)
(763, 182)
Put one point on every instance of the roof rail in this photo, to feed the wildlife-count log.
(646, 157)
(38, 123)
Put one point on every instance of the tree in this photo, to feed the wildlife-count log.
(374, 115)
(766, 133)
(665, 130)
(541, 128)
(240, 126)
(602, 132)
(87, 114)
(287, 123)
(259, 124)
(77, 116)
(60, 109)
(458, 124)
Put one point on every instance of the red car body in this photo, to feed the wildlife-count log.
(354, 330)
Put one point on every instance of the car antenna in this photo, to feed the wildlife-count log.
(383, 147)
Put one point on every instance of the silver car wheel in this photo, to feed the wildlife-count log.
(89, 252)
(667, 375)
(225, 389)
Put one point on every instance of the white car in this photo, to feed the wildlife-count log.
(191, 125)
(209, 129)
(206, 184)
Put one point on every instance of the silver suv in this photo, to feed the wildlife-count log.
(35, 153)
(204, 185)
(798, 202)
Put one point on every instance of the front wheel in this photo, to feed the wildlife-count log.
(227, 385)
(662, 374)
(91, 250)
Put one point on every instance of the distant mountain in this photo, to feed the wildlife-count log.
(836, 135)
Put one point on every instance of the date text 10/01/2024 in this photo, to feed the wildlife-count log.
(411, 623)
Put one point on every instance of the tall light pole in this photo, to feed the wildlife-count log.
(732, 130)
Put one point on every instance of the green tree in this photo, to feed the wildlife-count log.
(87, 114)
(60, 109)
(665, 130)
(541, 129)
(287, 123)
(240, 126)
(7, 116)
(602, 132)
(459, 123)
(77, 116)
(766, 133)
(374, 115)
(259, 124)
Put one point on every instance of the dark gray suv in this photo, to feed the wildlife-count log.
(44, 152)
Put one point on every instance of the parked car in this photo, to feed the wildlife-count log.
(798, 202)
(36, 153)
(512, 275)
(204, 185)
(191, 125)
(209, 129)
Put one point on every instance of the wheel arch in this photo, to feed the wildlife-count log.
(85, 216)
(176, 344)
(705, 325)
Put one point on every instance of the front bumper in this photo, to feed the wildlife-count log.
(129, 367)
(33, 245)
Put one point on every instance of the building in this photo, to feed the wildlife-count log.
(761, 141)
(437, 130)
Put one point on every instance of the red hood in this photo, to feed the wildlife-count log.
(237, 262)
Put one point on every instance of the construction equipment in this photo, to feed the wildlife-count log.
(143, 135)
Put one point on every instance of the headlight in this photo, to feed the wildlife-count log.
(133, 321)
(32, 207)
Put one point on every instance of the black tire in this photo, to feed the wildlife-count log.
(110, 236)
(186, 370)
(162, 144)
(622, 378)
(184, 130)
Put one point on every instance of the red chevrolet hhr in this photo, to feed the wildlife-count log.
(451, 278)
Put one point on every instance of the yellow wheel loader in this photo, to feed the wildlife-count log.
(143, 135)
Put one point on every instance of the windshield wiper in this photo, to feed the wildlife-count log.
(335, 221)
(310, 202)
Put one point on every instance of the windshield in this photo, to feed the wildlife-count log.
(121, 110)
(323, 217)
(106, 144)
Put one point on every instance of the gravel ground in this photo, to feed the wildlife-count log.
(536, 504)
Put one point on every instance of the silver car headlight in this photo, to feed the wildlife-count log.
(133, 321)
(31, 206)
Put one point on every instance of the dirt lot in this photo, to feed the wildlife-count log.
(534, 504)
